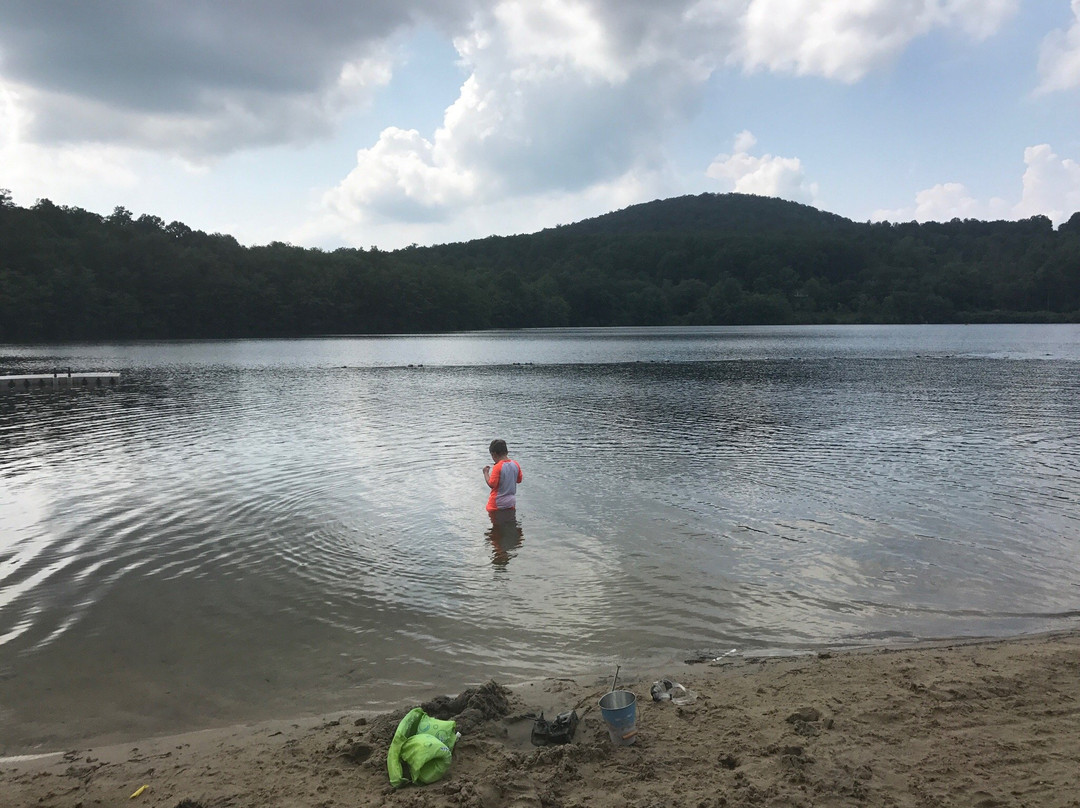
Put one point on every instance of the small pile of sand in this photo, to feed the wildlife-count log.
(471, 708)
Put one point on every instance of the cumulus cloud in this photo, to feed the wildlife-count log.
(562, 97)
(403, 176)
(566, 94)
(526, 214)
(557, 101)
(1051, 188)
(845, 39)
(1051, 185)
(199, 77)
(767, 175)
(552, 36)
(221, 124)
(28, 168)
(1059, 57)
(210, 77)
(944, 202)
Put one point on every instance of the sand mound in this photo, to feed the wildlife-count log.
(473, 707)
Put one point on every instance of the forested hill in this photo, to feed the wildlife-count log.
(712, 213)
(66, 273)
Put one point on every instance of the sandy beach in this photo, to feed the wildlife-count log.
(993, 723)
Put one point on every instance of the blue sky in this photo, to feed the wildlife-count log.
(391, 122)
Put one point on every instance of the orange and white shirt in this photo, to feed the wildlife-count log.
(503, 481)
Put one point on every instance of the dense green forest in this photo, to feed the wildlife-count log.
(69, 274)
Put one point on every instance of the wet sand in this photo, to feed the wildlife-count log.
(981, 724)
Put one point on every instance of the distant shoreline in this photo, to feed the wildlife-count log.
(538, 330)
(709, 259)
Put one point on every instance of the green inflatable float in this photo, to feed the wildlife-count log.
(420, 751)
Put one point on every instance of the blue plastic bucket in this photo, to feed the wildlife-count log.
(619, 709)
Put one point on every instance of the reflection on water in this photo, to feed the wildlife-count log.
(258, 528)
(505, 535)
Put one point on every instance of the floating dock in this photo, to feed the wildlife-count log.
(57, 381)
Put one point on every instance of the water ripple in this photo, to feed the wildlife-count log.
(241, 533)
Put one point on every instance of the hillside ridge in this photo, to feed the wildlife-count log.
(709, 213)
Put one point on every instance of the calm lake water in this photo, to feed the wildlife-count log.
(247, 529)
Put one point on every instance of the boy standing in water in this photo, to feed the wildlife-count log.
(503, 479)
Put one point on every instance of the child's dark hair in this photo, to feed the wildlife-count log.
(498, 447)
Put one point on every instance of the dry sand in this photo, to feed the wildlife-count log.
(966, 724)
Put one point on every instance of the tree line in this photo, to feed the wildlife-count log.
(713, 259)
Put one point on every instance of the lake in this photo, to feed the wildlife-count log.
(252, 529)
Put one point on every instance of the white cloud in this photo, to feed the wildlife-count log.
(402, 176)
(33, 172)
(557, 101)
(1051, 185)
(550, 36)
(565, 100)
(745, 141)
(767, 175)
(846, 39)
(1059, 57)
(523, 214)
(208, 78)
(1051, 188)
(564, 95)
(945, 202)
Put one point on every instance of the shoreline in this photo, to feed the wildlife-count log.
(982, 721)
(678, 665)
